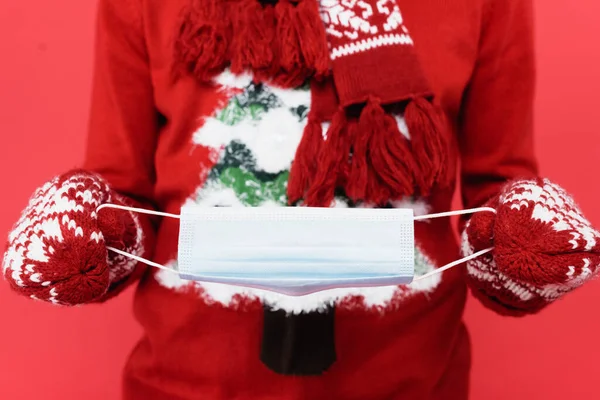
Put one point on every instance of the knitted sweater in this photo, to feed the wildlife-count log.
(164, 142)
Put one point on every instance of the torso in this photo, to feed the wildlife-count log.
(232, 145)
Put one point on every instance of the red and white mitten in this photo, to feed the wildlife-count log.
(57, 250)
(543, 248)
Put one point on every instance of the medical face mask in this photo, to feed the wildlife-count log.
(297, 250)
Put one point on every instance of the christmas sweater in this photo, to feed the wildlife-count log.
(162, 142)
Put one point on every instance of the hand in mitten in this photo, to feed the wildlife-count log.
(543, 248)
(57, 250)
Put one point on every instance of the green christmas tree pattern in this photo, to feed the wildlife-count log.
(237, 166)
(237, 178)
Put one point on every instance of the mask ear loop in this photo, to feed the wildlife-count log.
(141, 211)
(464, 259)
(137, 210)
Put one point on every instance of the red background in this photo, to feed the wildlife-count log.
(54, 353)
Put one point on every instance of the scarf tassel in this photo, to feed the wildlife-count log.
(203, 42)
(369, 158)
(300, 42)
(344, 168)
(313, 41)
(251, 46)
(391, 164)
(284, 43)
(303, 168)
(429, 143)
(292, 69)
(334, 153)
(360, 173)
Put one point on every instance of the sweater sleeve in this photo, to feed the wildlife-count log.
(496, 122)
(124, 122)
(496, 134)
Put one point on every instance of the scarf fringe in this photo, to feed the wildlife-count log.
(321, 192)
(389, 154)
(284, 43)
(313, 41)
(343, 177)
(304, 169)
(251, 45)
(293, 70)
(429, 143)
(202, 45)
(369, 158)
(360, 170)
(265, 71)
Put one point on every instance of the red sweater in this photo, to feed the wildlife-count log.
(166, 142)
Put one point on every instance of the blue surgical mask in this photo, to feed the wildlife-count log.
(297, 250)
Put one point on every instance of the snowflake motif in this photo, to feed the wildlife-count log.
(349, 19)
(50, 229)
(569, 240)
(554, 206)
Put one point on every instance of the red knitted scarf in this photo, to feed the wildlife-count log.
(364, 73)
